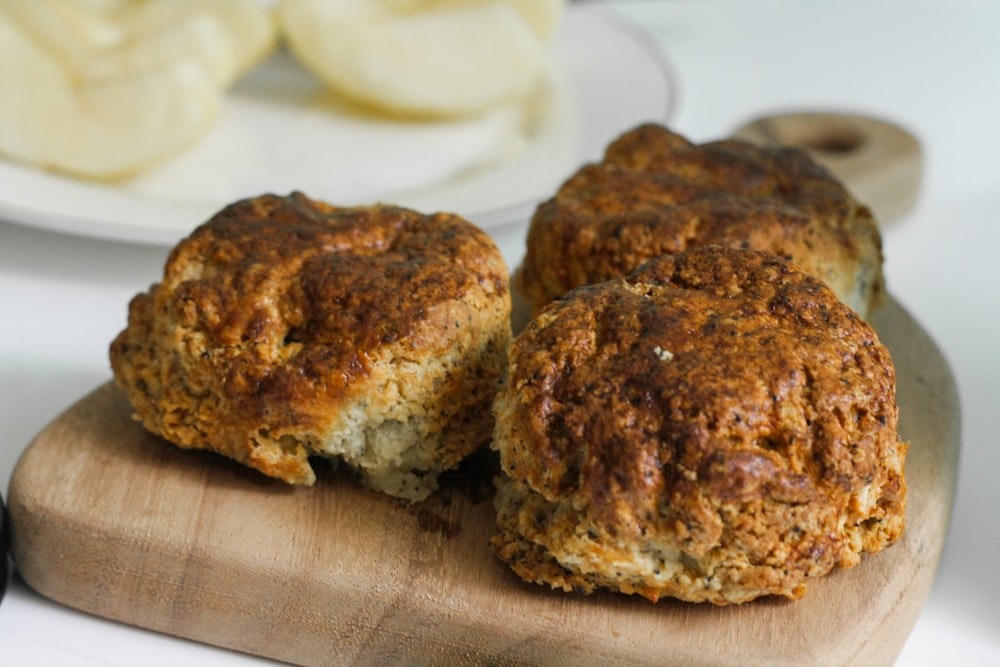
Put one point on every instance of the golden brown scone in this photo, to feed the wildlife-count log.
(715, 427)
(286, 327)
(656, 193)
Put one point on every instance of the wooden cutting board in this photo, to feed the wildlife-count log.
(115, 522)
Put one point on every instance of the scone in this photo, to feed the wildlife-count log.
(715, 427)
(656, 193)
(285, 328)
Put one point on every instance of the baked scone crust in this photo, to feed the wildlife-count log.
(715, 427)
(285, 327)
(656, 193)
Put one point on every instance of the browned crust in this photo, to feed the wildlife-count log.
(657, 193)
(719, 405)
(280, 311)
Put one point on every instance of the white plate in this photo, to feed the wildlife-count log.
(278, 133)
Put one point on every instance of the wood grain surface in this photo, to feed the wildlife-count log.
(115, 522)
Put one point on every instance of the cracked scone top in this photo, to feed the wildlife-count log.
(715, 427)
(285, 328)
(656, 193)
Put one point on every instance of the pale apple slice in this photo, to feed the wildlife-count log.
(421, 56)
(249, 25)
(105, 130)
(226, 37)
(542, 15)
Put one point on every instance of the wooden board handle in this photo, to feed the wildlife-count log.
(878, 161)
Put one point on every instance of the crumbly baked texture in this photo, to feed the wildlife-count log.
(285, 328)
(656, 193)
(715, 427)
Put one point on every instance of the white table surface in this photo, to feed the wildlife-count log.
(933, 67)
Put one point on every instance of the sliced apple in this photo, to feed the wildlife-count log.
(542, 16)
(249, 27)
(226, 36)
(105, 130)
(437, 57)
(105, 88)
